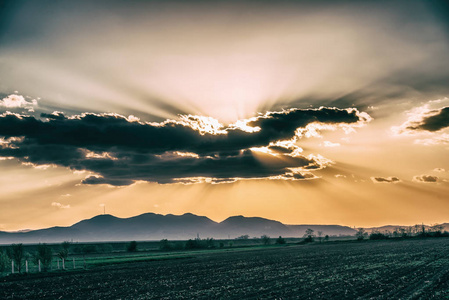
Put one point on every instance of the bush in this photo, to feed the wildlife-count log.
(165, 245)
(87, 249)
(265, 239)
(192, 244)
(308, 239)
(200, 244)
(132, 246)
(106, 248)
(378, 236)
(280, 240)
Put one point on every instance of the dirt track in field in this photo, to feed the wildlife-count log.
(413, 269)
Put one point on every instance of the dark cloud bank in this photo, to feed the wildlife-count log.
(435, 120)
(122, 151)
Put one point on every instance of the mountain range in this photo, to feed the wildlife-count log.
(150, 226)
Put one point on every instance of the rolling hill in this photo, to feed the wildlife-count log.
(152, 226)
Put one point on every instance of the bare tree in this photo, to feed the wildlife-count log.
(17, 254)
(3, 261)
(320, 234)
(43, 255)
(361, 234)
(64, 252)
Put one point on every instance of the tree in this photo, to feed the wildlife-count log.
(132, 246)
(193, 244)
(361, 234)
(320, 233)
(396, 233)
(64, 252)
(243, 237)
(280, 240)
(326, 238)
(17, 254)
(3, 261)
(309, 235)
(265, 239)
(44, 255)
(416, 228)
(165, 245)
(210, 243)
(402, 232)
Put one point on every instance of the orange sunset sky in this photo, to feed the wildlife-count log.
(302, 112)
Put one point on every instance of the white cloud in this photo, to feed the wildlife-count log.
(436, 139)
(330, 144)
(18, 101)
(59, 205)
(417, 118)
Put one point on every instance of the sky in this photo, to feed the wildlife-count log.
(303, 112)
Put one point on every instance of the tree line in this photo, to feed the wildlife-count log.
(415, 231)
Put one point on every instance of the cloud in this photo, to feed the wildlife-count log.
(433, 120)
(426, 178)
(59, 205)
(18, 101)
(330, 144)
(428, 122)
(340, 176)
(436, 139)
(120, 150)
(385, 179)
(440, 170)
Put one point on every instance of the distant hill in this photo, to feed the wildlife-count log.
(240, 225)
(152, 226)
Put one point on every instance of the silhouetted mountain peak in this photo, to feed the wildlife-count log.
(97, 220)
(242, 219)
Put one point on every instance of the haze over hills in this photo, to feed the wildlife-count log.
(391, 228)
(150, 226)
